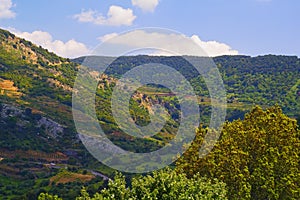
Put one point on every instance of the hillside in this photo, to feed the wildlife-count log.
(38, 139)
(263, 80)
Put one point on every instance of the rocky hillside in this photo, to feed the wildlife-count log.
(37, 136)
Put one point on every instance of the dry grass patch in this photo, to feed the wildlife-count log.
(7, 88)
(69, 177)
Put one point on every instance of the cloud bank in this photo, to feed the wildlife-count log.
(140, 38)
(69, 49)
(214, 48)
(116, 16)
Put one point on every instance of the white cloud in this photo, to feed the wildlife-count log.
(116, 16)
(69, 49)
(214, 48)
(5, 9)
(145, 5)
(107, 37)
(165, 44)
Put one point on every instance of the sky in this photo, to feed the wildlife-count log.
(73, 28)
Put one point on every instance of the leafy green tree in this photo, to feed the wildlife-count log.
(46, 196)
(162, 185)
(116, 189)
(171, 185)
(258, 157)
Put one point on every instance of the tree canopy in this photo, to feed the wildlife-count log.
(258, 157)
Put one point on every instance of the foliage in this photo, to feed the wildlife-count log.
(164, 185)
(258, 157)
(46, 196)
(263, 80)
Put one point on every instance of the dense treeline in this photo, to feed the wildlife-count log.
(263, 80)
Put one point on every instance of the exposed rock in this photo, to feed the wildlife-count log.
(10, 111)
(53, 128)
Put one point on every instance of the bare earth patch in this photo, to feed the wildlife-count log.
(7, 88)
(68, 177)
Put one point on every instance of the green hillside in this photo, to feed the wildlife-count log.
(263, 80)
(38, 138)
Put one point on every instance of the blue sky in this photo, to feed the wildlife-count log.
(72, 27)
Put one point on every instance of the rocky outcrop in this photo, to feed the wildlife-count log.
(52, 128)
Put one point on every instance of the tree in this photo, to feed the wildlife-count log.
(258, 157)
(46, 196)
(163, 185)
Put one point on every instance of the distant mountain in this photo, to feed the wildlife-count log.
(38, 138)
(263, 80)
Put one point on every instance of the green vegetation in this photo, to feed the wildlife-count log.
(165, 185)
(258, 157)
(264, 80)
